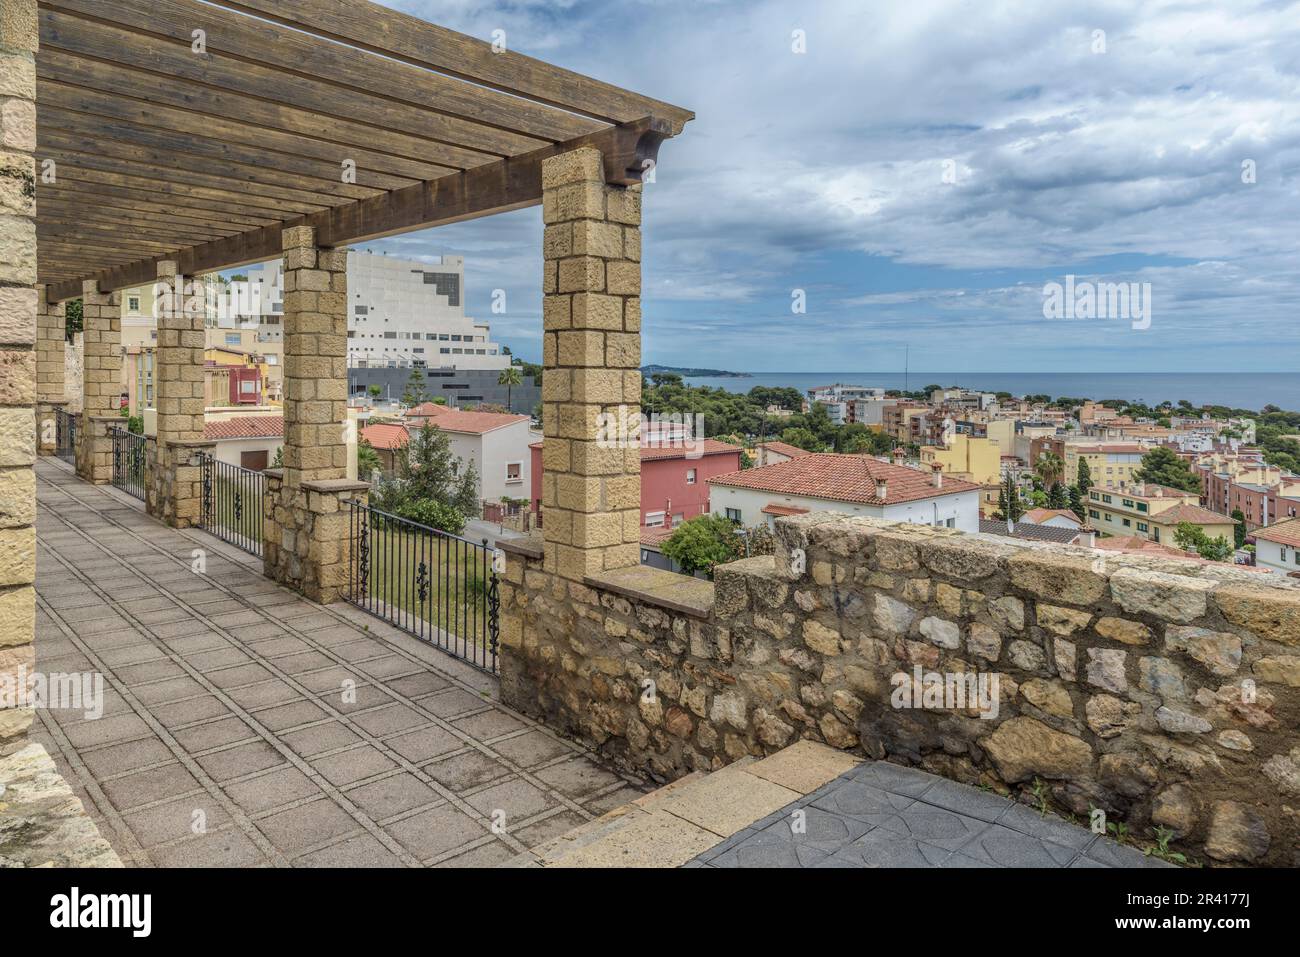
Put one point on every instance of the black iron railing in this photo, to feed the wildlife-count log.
(232, 504)
(441, 588)
(130, 462)
(65, 435)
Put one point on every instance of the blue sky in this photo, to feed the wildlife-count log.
(825, 172)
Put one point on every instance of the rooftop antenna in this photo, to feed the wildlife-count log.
(907, 355)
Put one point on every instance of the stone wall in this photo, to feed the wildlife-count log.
(1164, 693)
(18, 307)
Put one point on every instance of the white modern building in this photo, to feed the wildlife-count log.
(852, 484)
(401, 314)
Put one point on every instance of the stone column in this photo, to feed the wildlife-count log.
(174, 489)
(18, 43)
(306, 518)
(51, 332)
(592, 357)
(101, 377)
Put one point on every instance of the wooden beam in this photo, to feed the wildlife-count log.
(263, 205)
(498, 187)
(235, 188)
(94, 194)
(55, 139)
(65, 209)
(219, 152)
(412, 40)
(52, 92)
(269, 45)
(173, 75)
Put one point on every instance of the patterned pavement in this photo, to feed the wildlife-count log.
(229, 737)
(884, 815)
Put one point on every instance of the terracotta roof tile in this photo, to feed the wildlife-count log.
(1283, 533)
(784, 448)
(1037, 516)
(385, 435)
(457, 420)
(843, 478)
(245, 427)
(710, 447)
(1189, 513)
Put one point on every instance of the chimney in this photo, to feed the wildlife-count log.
(882, 488)
(1011, 526)
(1089, 534)
(938, 474)
(899, 455)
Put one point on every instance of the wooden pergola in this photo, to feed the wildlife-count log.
(172, 138)
(196, 133)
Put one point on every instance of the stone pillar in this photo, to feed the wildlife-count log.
(18, 43)
(101, 377)
(174, 489)
(592, 358)
(315, 358)
(306, 518)
(51, 332)
(307, 530)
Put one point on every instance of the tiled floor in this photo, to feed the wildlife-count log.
(883, 815)
(246, 726)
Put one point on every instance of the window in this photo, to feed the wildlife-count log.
(232, 338)
(1106, 499)
(514, 472)
(1127, 523)
(734, 515)
(1093, 513)
(654, 519)
(133, 303)
(1142, 506)
(690, 476)
(1143, 527)
(1128, 503)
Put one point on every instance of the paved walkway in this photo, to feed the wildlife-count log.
(228, 736)
(884, 815)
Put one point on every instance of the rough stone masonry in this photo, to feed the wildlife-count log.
(1165, 693)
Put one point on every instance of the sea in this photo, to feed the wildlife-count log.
(1244, 390)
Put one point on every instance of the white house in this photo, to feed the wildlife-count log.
(1277, 547)
(852, 484)
(496, 443)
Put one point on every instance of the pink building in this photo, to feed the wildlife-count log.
(674, 481)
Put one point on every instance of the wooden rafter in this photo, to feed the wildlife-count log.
(340, 114)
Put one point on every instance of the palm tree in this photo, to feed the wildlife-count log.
(510, 377)
(1050, 469)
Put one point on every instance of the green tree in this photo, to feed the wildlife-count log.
(1058, 498)
(703, 543)
(368, 462)
(72, 318)
(1079, 494)
(1193, 538)
(1009, 504)
(1239, 531)
(1049, 468)
(428, 471)
(375, 391)
(1162, 466)
(510, 377)
(415, 392)
(802, 438)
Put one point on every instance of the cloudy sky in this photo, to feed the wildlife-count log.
(924, 169)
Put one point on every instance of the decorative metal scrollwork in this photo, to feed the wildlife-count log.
(494, 612)
(207, 492)
(422, 582)
(363, 554)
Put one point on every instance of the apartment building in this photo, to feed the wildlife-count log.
(966, 457)
(1111, 465)
(1243, 481)
(841, 401)
(850, 484)
(1153, 512)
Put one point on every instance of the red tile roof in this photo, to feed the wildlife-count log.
(385, 435)
(1189, 513)
(843, 478)
(707, 447)
(245, 427)
(772, 508)
(1156, 491)
(456, 420)
(1284, 533)
(1040, 515)
(654, 537)
(784, 448)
